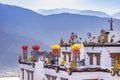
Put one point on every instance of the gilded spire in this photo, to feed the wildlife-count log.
(116, 64)
(61, 41)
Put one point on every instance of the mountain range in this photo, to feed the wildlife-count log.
(73, 11)
(80, 12)
(116, 15)
(19, 26)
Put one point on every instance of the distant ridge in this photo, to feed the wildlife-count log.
(73, 11)
(116, 15)
(57, 11)
(94, 13)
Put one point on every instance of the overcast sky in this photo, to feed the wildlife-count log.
(108, 6)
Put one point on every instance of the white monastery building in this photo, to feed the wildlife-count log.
(96, 58)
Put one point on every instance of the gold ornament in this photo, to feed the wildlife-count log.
(62, 61)
(73, 64)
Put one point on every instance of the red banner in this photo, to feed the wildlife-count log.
(35, 47)
(56, 52)
(76, 53)
(24, 47)
(25, 51)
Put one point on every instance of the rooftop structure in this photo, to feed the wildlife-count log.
(96, 58)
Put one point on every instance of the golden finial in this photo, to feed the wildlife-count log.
(116, 64)
(61, 41)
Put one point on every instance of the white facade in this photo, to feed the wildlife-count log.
(28, 72)
(95, 54)
(105, 58)
(80, 75)
(39, 72)
(105, 62)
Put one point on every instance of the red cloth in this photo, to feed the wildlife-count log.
(56, 52)
(76, 53)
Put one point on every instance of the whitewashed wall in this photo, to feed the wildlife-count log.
(81, 75)
(38, 71)
(105, 61)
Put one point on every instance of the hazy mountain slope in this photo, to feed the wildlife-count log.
(11, 48)
(48, 29)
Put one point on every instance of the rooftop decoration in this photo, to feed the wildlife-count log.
(36, 47)
(116, 64)
(89, 35)
(96, 69)
(25, 47)
(72, 36)
(55, 51)
(76, 53)
(62, 61)
(111, 24)
(61, 41)
(111, 39)
(75, 47)
(19, 58)
(34, 53)
(73, 64)
(116, 69)
(29, 58)
(55, 47)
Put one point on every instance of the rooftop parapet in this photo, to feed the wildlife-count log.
(34, 56)
(101, 44)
